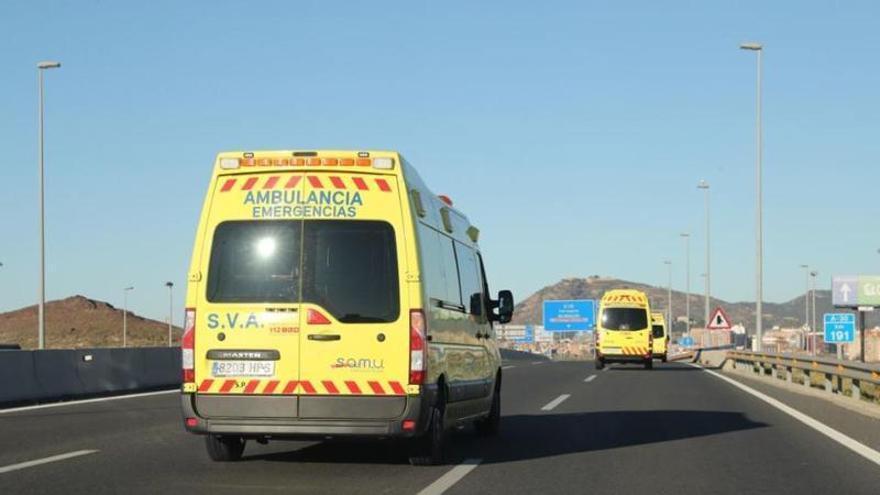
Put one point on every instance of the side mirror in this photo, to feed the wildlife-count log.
(505, 306)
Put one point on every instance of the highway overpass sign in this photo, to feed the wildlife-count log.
(840, 328)
(850, 291)
(576, 315)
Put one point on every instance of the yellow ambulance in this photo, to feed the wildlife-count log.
(660, 336)
(332, 294)
(623, 330)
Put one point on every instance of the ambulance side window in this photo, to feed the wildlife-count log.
(471, 282)
(439, 270)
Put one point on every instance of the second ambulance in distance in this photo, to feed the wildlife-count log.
(623, 332)
(660, 335)
(332, 294)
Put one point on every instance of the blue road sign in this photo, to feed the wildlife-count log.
(569, 316)
(528, 337)
(686, 341)
(840, 328)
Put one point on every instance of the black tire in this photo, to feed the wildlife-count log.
(663, 359)
(600, 364)
(429, 449)
(224, 449)
(649, 364)
(490, 425)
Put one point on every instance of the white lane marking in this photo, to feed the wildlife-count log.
(45, 460)
(555, 402)
(508, 367)
(451, 477)
(848, 442)
(86, 401)
(606, 368)
(590, 378)
(538, 362)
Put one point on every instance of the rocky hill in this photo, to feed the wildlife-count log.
(78, 322)
(788, 314)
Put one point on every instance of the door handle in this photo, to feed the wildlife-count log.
(324, 337)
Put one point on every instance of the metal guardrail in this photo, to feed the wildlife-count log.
(859, 381)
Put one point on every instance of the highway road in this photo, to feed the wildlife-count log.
(567, 428)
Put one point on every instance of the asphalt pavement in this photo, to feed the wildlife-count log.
(566, 428)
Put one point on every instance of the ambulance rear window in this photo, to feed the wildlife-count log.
(624, 319)
(349, 268)
(255, 262)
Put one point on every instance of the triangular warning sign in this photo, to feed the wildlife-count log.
(719, 320)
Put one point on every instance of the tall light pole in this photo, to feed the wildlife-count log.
(41, 317)
(759, 228)
(125, 315)
(806, 302)
(668, 264)
(687, 271)
(813, 304)
(170, 286)
(705, 187)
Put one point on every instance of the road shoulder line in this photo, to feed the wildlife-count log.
(86, 401)
(45, 460)
(844, 440)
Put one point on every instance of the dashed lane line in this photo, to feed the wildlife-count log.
(589, 378)
(451, 477)
(555, 402)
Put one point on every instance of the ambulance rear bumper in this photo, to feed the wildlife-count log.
(359, 420)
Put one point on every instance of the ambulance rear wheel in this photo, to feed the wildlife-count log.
(663, 359)
(223, 448)
(649, 364)
(600, 364)
(430, 448)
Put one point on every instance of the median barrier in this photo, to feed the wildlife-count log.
(64, 374)
(512, 355)
(858, 381)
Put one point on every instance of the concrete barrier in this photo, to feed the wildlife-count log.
(54, 375)
(512, 355)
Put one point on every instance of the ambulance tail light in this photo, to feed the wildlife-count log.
(418, 340)
(187, 346)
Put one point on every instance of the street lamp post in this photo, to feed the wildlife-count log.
(759, 234)
(806, 302)
(687, 271)
(170, 286)
(668, 264)
(125, 315)
(41, 316)
(813, 304)
(705, 187)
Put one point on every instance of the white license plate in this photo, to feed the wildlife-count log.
(243, 368)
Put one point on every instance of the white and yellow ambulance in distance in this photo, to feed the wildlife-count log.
(660, 336)
(332, 294)
(623, 332)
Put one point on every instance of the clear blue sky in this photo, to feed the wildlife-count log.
(572, 133)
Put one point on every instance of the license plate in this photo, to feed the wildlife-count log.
(612, 350)
(243, 368)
